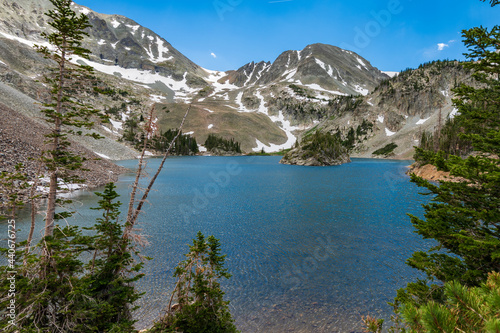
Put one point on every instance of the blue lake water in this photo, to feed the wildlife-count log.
(311, 249)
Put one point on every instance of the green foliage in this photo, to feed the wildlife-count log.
(86, 286)
(185, 144)
(200, 307)
(48, 297)
(300, 91)
(450, 139)
(465, 309)
(373, 324)
(70, 281)
(282, 152)
(463, 216)
(131, 130)
(65, 113)
(354, 136)
(321, 146)
(206, 91)
(12, 184)
(214, 143)
(112, 270)
(387, 150)
(301, 110)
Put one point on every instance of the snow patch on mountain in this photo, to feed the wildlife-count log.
(180, 88)
(321, 64)
(102, 155)
(388, 132)
(161, 50)
(362, 90)
(390, 73)
(453, 113)
(116, 124)
(27, 42)
(290, 74)
(285, 125)
(157, 98)
(115, 23)
(214, 77)
(422, 121)
(84, 10)
(362, 63)
(133, 27)
(315, 86)
(241, 107)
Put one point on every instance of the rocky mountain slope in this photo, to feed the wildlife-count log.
(399, 109)
(318, 66)
(262, 105)
(255, 96)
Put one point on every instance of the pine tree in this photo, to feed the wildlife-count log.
(65, 112)
(465, 309)
(464, 216)
(111, 272)
(200, 307)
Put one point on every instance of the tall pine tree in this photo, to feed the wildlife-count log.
(464, 217)
(65, 112)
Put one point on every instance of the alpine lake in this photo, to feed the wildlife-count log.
(310, 249)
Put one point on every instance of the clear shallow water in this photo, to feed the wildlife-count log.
(311, 249)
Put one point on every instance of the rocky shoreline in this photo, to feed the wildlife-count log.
(22, 141)
(430, 172)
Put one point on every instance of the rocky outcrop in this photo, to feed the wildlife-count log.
(401, 108)
(300, 157)
(430, 172)
(319, 149)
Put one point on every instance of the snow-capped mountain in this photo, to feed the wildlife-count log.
(318, 67)
(261, 105)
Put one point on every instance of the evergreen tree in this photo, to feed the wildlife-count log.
(464, 216)
(65, 110)
(214, 143)
(201, 307)
(465, 309)
(56, 289)
(111, 272)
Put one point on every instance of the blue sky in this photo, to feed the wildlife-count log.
(227, 34)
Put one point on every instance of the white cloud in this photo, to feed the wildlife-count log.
(213, 55)
(442, 46)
